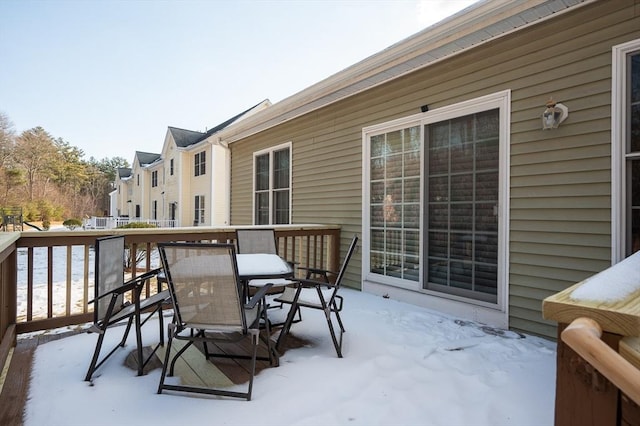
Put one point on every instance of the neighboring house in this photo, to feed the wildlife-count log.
(187, 184)
(142, 194)
(123, 190)
(434, 151)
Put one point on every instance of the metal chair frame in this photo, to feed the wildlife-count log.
(111, 306)
(194, 294)
(331, 305)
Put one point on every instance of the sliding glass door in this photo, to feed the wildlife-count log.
(461, 170)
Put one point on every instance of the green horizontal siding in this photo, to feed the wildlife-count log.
(560, 180)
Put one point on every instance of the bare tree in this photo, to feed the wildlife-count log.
(7, 139)
(37, 154)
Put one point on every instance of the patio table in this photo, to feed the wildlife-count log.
(262, 266)
(256, 266)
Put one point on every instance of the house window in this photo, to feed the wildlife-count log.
(198, 213)
(432, 207)
(272, 186)
(154, 178)
(154, 210)
(633, 155)
(138, 179)
(626, 150)
(199, 164)
(171, 167)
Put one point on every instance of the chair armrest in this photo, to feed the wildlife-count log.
(318, 271)
(259, 295)
(305, 283)
(128, 286)
(132, 284)
(146, 275)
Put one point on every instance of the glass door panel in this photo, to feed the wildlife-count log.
(395, 204)
(461, 171)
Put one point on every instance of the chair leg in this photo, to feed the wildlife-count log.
(287, 326)
(336, 344)
(274, 357)
(94, 365)
(139, 341)
(178, 355)
(126, 332)
(96, 354)
(255, 338)
(339, 321)
(161, 321)
(167, 355)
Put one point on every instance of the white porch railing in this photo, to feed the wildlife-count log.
(114, 222)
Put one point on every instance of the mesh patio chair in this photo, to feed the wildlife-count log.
(319, 290)
(116, 301)
(261, 240)
(208, 307)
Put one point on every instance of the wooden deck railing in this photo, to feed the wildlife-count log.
(307, 245)
(598, 353)
(583, 336)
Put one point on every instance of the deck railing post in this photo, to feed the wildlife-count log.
(584, 397)
(8, 298)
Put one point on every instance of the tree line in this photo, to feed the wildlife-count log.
(49, 178)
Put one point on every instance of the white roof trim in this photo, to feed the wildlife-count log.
(478, 24)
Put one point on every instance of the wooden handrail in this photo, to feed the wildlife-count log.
(583, 336)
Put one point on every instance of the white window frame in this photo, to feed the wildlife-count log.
(200, 163)
(619, 138)
(199, 209)
(406, 289)
(270, 151)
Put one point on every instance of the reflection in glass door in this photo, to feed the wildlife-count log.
(461, 237)
(395, 204)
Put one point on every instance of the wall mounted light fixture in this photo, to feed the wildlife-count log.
(554, 114)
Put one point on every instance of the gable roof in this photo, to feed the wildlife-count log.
(478, 24)
(184, 138)
(124, 172)
(232, 120)
(146, 158)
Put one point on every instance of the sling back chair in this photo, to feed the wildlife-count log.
(209, 308)
(319, 290)
(116, 300)
(261, 240)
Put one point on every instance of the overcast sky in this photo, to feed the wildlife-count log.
(109, 76)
